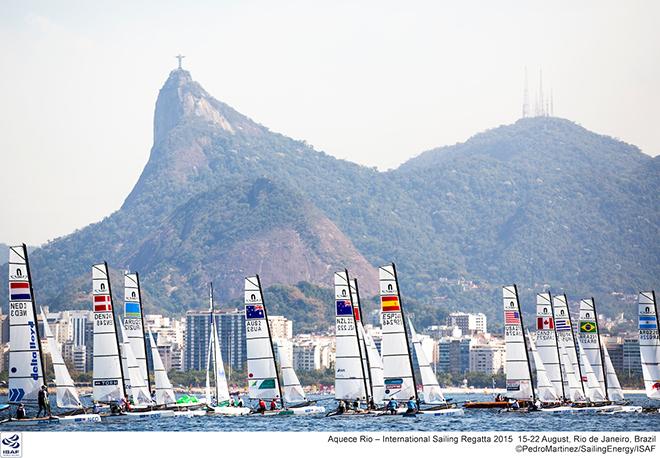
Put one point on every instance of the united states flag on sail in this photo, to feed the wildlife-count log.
(511, 317)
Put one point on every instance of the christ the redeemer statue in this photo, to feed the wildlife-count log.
(179, 58)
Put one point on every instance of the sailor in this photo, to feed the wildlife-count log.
(261, 407)
(273, 404)
(231, 402)
(42, 399)
(513, 404)
(371, 404)
(240, 402)
(356, 404)
(20, 412)
(412, 405)
(95, 407)
(341, 407)
(153, 396)
(392, 406)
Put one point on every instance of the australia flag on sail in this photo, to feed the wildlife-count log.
(254, 311)
(344, 308)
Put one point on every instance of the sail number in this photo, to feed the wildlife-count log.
(103, 319)
(18, 309)
(345, 324)
(648, 334)
(512, 331)
(392, 319)
(253, 325)
(132, 324)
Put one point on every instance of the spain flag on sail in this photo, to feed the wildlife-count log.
(390, 304)
(102, 303)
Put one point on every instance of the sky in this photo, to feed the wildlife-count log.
(373, 82)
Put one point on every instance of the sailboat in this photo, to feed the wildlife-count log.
(134, 325)
(431, 393)
(574, 389)
(518, 370)
(546, 390)
(546, 344)
(263, 377)
(219, 402)
(649, 344)
(134, 383)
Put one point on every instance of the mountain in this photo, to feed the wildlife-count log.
(542, 202)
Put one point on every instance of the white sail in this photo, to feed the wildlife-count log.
(163, 386)
(133, 380)
(107, 370)
(545, 389)
(291, 388)
(430, 387)
(566, 342)
(518, 376)
(209, 370)
(375, 365)
(593, 390)
(355, 298)
(263, 381)
(590, 340)
(573, 384)
(67, 394)
(649, 343)
(133, 322)
(614, 391)
(221, 387)
(350, 382)
(397, 367)
(546, 341)
(26, 368)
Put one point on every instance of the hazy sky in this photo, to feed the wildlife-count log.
(372, 82)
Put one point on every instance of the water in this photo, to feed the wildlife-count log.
(472, 420)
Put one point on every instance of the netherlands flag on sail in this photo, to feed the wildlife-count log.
(254, 311)
(19, 291)
(344, 308)
(102, 303)
(647, 322)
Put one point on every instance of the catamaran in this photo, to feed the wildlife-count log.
(573, 379)
(134, 326)
(263, 377)
(546, 345)
(649, 344)
(26, 363)
(219, 402)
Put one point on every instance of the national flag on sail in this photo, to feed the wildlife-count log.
(390, 304)
(511, 317)
(562, 324)
(344, 307)
(356, 312)
(254, 311)
(19, 291)
(588, 326)
(102, 303)
(544, 323)
(647, 322)
(132, 309)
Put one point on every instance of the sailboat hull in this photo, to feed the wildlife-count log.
(32, 421)
(81, 418)
(228, 411)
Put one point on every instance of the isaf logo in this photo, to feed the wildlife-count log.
(11, 445)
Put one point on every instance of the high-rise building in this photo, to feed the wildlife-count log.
(632, 361)
(454, 355)
(487, 358)
(231, 334)
(468, 323)
(280, 327)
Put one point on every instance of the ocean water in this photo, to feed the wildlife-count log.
(472, 420)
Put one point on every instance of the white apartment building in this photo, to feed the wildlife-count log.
(487, 358)
(468, 323)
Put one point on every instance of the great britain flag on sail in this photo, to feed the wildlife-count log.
(19, 291)
(102, 303)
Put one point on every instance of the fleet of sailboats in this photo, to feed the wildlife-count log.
(556, 371)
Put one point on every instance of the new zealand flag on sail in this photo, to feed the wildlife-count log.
(344, 308)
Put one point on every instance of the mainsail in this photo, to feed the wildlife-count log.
(593, 390)
(26, 367)
(545, 390)
(163, 386)
(67, 395)
(291, 389)
(215, 362)
(133, 380)
(431, 391)
(263, 379)
(134, 323)
(108, 373)
(590, 339)
(357, 313)
(518, 371)
(566, 343)
(649, 343)
(546, 342)
(350, 380)
(375, 365)
(397, 363)
(614, 391)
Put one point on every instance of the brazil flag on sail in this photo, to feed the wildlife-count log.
(587, 326)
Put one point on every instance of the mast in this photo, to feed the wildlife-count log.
(366, 353)
(144, 334)
(34, 311)
(214, 336)
(600, 348)
(554, 327)
(522, 325)
(579, 366)
(114, 322)
(405, 332)
(357, 338)
(272, 347)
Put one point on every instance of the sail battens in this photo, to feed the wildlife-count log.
(649, 343)
(518, 372)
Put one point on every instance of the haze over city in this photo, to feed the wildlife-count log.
(374, 83)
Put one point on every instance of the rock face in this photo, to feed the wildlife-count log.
(542, 202)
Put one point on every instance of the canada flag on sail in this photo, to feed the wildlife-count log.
(544, 323)
(19, 291)
(102, 303)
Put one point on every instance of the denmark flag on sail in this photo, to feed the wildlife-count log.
(544, 323)
(102, 304)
